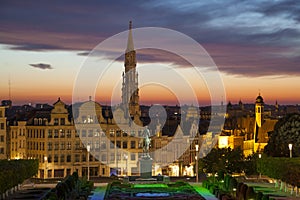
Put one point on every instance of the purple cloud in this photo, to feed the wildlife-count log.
(248, 38)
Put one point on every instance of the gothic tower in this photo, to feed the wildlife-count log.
(130, 91)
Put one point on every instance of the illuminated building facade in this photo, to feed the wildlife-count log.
(3, 135)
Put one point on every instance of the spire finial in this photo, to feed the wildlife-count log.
(130, 46)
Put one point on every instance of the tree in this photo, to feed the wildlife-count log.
(225, 160)
(286, 131)
(285, 169)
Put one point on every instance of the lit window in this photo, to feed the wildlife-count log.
(111, 132)
(132, 156)
(69, 146)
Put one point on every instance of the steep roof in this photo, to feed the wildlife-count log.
(130, 46)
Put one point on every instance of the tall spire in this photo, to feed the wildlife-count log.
(130, 46)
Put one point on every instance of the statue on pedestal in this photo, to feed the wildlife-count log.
(146, 143)
(146, 160)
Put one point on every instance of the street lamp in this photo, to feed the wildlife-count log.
(88, 148)
(126, 160)
(45, 172)
(259, 156)
(196, 158)
(290, 148)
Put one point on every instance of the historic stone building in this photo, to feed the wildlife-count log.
(247, 128)
(3, 135)
(84, 138)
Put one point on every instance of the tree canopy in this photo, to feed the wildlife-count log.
(224, 160)
(286, 131)
(14, 172)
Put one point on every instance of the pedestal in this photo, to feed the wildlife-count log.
(146, 167)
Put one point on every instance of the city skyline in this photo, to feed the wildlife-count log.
(254, 45)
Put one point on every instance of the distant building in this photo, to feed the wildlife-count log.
(247, 129)
(3, 135)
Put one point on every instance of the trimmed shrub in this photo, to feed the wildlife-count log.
(259, 196)
(250, 193)
(243, 192)
(232, 184)
(265, 197)
(238, 190)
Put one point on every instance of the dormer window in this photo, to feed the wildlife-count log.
(84, 119)
(62, 121)
(90, 119)
(55, 121)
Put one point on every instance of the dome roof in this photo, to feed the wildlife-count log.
(259, 99)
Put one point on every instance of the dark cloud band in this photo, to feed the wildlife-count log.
(41, 66)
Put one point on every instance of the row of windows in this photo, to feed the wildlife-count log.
(36, 133)
(119, 133)
(123, 144)
(83, 158)
(60, 133)
(92, 133)
(118, 157)
(40, 121)
(36, 145)
(89, 119)
(60, 146)
(14, 145)
(61, 121)
(94, 145)
(21, 132)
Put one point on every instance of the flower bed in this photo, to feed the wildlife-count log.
(178, 190)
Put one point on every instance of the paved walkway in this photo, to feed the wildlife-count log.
(203, 191)
(273, 191)
(99, 192)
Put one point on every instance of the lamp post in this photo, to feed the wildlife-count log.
(126, 160)
(290, 148)
(88, 148)
(45, 172)
(196, 158)
(259, 156)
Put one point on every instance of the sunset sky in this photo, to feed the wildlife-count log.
(254, 44)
